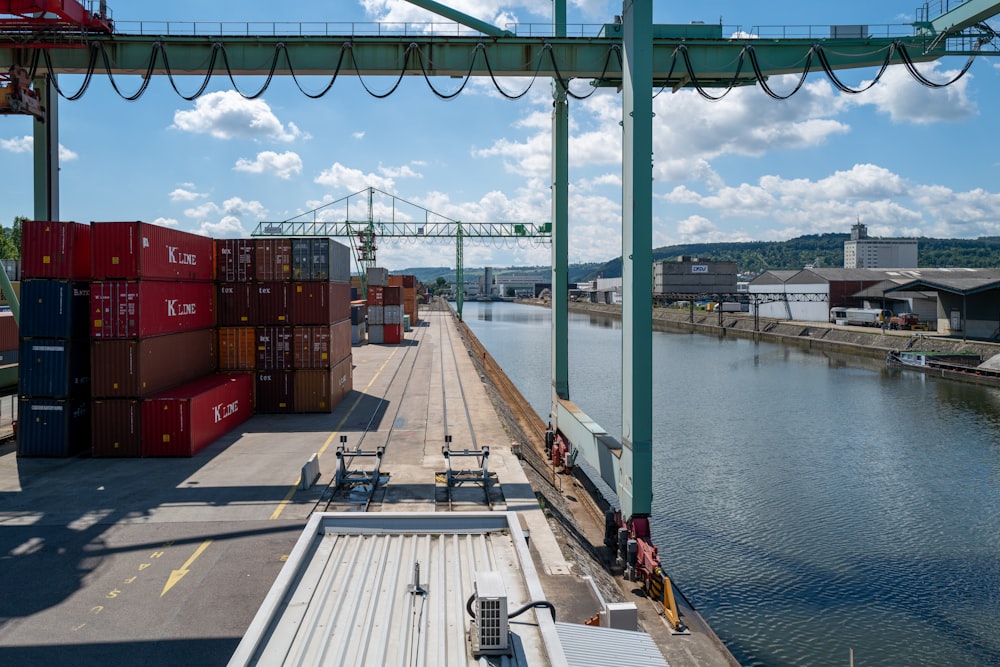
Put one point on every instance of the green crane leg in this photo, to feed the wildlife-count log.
(560, 226)
(46, 153)
(635, 473)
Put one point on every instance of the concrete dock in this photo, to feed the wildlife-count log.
(166, 561)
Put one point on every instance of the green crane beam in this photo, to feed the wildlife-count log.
(965, 15)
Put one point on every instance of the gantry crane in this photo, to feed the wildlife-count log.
(631, 54)
(363, 234)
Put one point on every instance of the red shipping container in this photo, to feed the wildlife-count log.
(139, 250)
(376, 295)
(322, 390)
(275, 391)
(237, 348)
(273, 303)
(273, 259)
(115, 426)
(55, 250)
(320, 302)
(409, 281)
(184, 420)
(274, 348)
(234, 260)
(393, 334)
(322, 346)
(395, 280)
(131, 368)
(235, 304)
(141, 309)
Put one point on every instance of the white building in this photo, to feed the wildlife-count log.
(862, 252)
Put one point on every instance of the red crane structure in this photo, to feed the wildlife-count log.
(58, 14)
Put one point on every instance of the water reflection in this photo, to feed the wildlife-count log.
(807, 502)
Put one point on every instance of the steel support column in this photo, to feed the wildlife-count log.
(635, 485)
(459, 271)
(560, 225)
(46, 152)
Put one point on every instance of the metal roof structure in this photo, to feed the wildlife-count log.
(588, 646)
(391, 589)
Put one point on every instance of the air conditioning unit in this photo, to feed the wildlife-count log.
(490, 629)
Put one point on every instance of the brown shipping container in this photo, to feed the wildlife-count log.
(322, 346)
(273, 303)
(275, 391)
(393, 296)
(55, 250)
(140, 309)
(141, 368)
(139, 250)
(116, 429)
(410, 282)
(274, 348)
(273, 259)
(320, 302)
(237, 348)
(235, 304)
(376, 295)
(395, 280)
(234, 260)
(323, 390)
(8, 331)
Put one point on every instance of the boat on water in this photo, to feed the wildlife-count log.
(965, 366)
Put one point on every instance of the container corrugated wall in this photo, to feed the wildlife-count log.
(54, 368)
(320, 302)
(237, 348)
(8, 332)
(321, 259)
(140, 309)
(49, 427)
(273, 259)
(274, 348)
(55, 308)
(184, 420)
(235, 304)
(322, 346)
(140, 368)
(275, 391)
(116, 427)
(55, 250)
(323, 390)
(234, 260)
(273, 303)
(139, 250)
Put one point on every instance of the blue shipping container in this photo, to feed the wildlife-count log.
(321, 259)
(54, 368)
(52, 428)
(55, 309)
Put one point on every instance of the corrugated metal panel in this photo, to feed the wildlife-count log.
(273, 303)
(184, 420)
(140, 309)
(274, 348)
(139, 250)
(235, 304)
(49, 427)
(275, 392)
(116, 429)
(234, 260)
(320, 302)
(8, 331)
(237, 348)
(346, 594)
(588, 646)
(273, 259)
(320, 259)
(141, 368)
(54, 368)
(55, 308)
(55, 250)
(322, 390)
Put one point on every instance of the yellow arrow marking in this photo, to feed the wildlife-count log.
(295, 487)
(177, 575)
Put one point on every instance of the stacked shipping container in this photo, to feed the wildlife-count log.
(152, 306)
(54, 373)
(385, 309)
(290, 325)
(409, 285)
(118, 326)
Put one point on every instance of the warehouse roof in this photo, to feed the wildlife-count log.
(392, 588)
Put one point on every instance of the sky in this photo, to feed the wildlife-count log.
(901, 158)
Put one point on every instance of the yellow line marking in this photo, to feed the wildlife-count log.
(177, 575)
(295, 487)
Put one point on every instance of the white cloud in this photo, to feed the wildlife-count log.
(231, 219)
(26, 144)
(353, 180)
(284, 165)
(358, 135)
(228, 227)
(185, 194)
(228, 115)
(904, 99)
(405, 171)
(166, 222)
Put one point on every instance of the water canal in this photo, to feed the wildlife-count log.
(809, 504)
